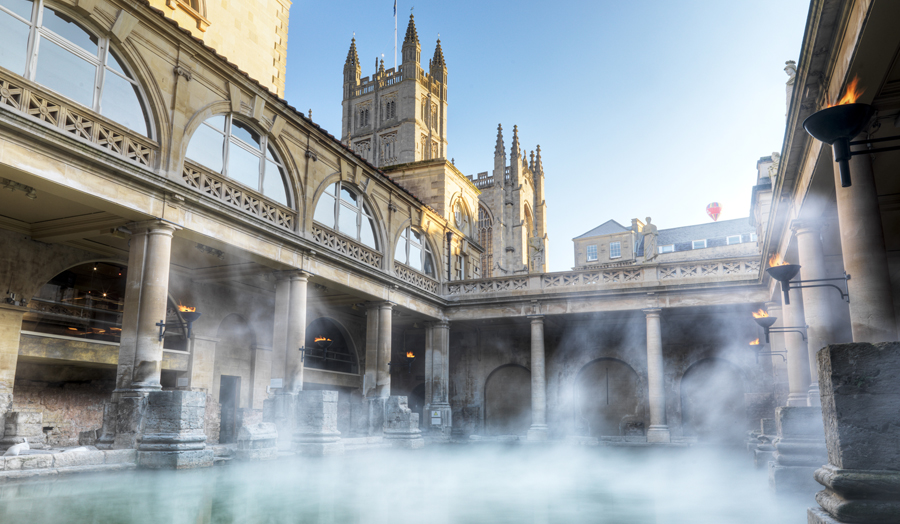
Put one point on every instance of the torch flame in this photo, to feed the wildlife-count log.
(409, 354)
(754, 342)
(186, 309)
(776, 260)
(760, 314)
(322, 339)
(851, 94)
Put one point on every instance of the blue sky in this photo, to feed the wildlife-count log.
(641, 108)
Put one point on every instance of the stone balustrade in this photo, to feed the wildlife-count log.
(33, 101)
(411, 276)
(343, 245)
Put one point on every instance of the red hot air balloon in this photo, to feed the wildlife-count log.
(714, 210)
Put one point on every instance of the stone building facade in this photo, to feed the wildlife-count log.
(202, 189)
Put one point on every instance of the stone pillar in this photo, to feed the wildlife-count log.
(816, 300)
(797, 354)
(865, 259)
(315, 430)
(377, 381)
(779, 362)
(260, 371)
(860, 385)
(659, 429)
(296, 333)
(10, 330)
(439, 417)
(383, 370)
(799, 450)
(173, 435)
(538, 429)
(401, 425)
(369, 379)
(429, 374)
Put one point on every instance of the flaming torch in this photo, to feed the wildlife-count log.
(838, 123)
(782, 272)
(764, 320)
(188, 314)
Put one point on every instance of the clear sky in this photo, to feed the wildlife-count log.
(641, 108)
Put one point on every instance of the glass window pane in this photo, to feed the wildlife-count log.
(367, 233)
(325, 210)
(417, 237)
(113, 63)
(68, 29)
(244, 133)
(62, 71)
(348, 196)
(332, 189)
(19, 7)
(243, 166)
(347, 221)
(273, 184)
(206, 148)
(400, 252)
(13, 43)
(415, 257)
(217, 122)
(270, 155)
(122, 102)
(429, 265)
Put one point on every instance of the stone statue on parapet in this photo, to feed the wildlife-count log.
(650, 234)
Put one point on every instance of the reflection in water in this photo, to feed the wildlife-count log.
(438, 485)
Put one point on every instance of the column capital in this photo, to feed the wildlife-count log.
(153, 225)
(291, 274)
(536, 319)
(441, 324)
(801, 226)
(652, 312)
(772, 305)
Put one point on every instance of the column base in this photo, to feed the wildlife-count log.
(537, 433)
(319, 449)
(812, 397)
(819, 516)
(797, 400)
(199, 458)
(659, 434)
(795, 480)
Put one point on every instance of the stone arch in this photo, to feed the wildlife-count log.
(326, 358)
(436, 255)
(381, 234)
(507, 401)
(712, 401)
(609, 400)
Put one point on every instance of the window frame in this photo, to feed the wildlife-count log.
(728, 240)
(754, 237)
(587, 253)
(694, 244)
(230, 139)
(408, 236)
(618, 245)
(663, 249)
(37, 33)
(363, 211)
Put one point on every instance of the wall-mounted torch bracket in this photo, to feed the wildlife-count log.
(788, 285)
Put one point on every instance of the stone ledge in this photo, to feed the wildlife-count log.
(47, 472)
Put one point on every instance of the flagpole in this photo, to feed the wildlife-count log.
(395, 36)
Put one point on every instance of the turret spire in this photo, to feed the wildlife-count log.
(538, 165)
(499, 149)
(411, 48)
(412, 37)
(352, 57)
(531, 162)
(514, 150)
(438, 59)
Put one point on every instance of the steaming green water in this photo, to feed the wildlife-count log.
(437, 485)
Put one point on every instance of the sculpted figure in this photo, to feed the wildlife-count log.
(650, 234)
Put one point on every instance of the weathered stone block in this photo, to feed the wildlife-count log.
(175, 459)
(315, 425)
(767, 426)
(799, 422)
(799, 450)
(173, 435)
(281, 410)
(29, 462)
(257, 442)
(69, 459)
(120, 456)
(21, 425)
(401, 425)
(375, 416)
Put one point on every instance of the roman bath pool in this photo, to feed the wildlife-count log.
(449, 484)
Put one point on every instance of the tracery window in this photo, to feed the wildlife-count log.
(486, 239)
(228, 146)
(390, 110)
(49, 47)
(461, 217)
(342, 209)
(414, 251)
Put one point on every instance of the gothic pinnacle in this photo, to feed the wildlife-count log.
(438, 59)
(514, 150)
(352, 57)
(531, 163)
(412, 37)
(538, 165)
(499, 149)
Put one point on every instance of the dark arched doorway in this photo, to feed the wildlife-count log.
(507, 401)
(328, 348)
(608, 399)
(712, 402)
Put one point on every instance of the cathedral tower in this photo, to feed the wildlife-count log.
(397, 117)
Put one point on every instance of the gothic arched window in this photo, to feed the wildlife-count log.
(486, 239)
(230, 147)
(68, 58)
(461, 217)
(344, 210)
(414, 251)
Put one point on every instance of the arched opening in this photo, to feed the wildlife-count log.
(230, 147)
(608, 399)
(72, 60)
(712, 402)
(486, 239)
(328, 347)
(507, 401)
(461, 217)
(231, 378)
(343, 209)
(414, 250)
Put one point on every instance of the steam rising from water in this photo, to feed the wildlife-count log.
(469, 484)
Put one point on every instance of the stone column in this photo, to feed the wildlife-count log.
(797, 354)
(779, 362)
(865, 259)
(429, 374)
(296, 333)
(659, 429)
(440, 379)
(860, 399)
(10, 330)
(383, 370)
(816, 300)
(173, 433)
(538, 429)
(153, 301)
(377, 382)
(280, 324)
